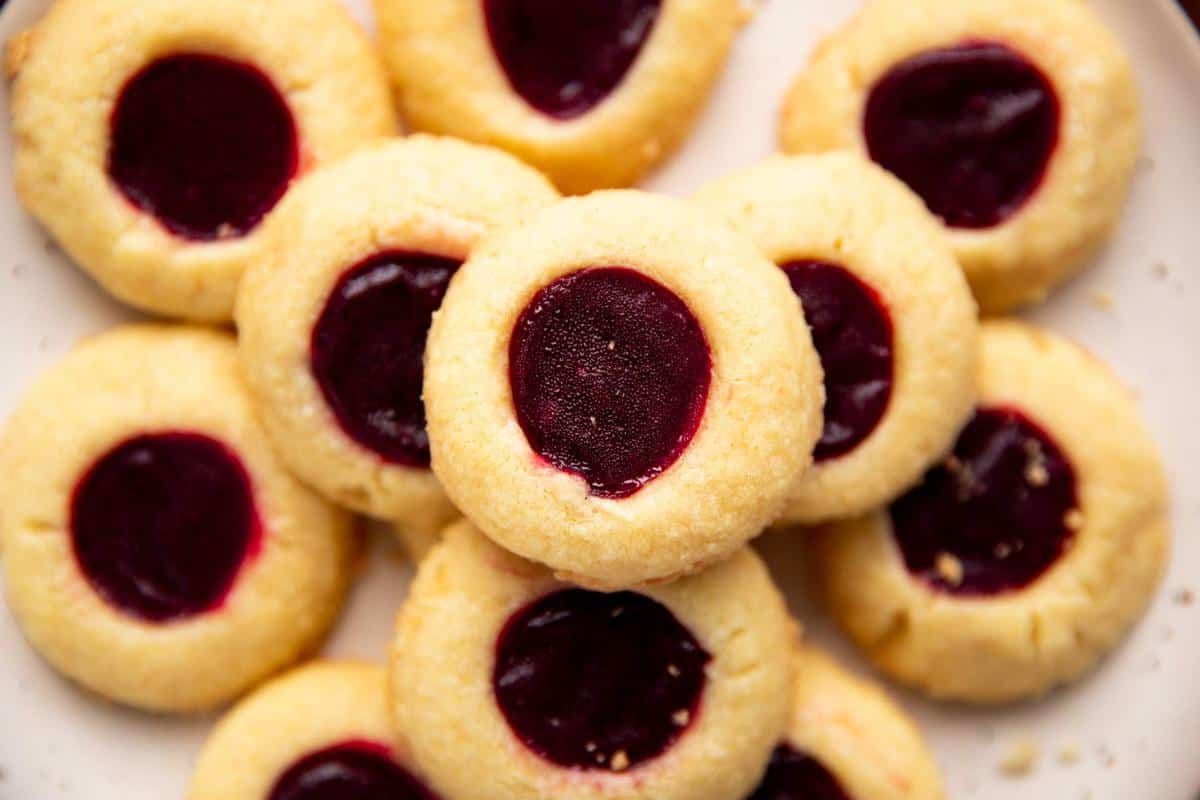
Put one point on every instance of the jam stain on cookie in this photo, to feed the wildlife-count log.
(162, 523)
(610, 375)
(598, 681)
(368, 347)
(852, 332)
(996, 515)
(793, 775)
(564, 58)
(356, 770)
(969, 128)
(205, 144)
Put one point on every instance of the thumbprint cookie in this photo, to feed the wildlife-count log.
(332, 323)
(155, 549)
(680, 690)
(1026, 556)
(891, 317)
(1017, 121)
(620, 389)
(847, 741)
(152, 139)
(320, 732)
(593, 92)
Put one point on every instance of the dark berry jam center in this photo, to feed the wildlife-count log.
(996, 515)
(793, 775)
(598, 681)
(162, 523)
(368, 348)
(564, 58)
(853, 335)
(610, 374)
(204, 144)
(349, 771)
(969, 128)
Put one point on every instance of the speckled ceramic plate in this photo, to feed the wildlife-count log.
(1134, 723)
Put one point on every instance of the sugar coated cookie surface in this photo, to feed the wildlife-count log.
(1030, 552)
(1017, 121)
(890, 313)
(594, 92)
(621, 388)
(848, 741)
(319, 732)
(550, 690)
(332, 320)
(155, 549)
(153, 139)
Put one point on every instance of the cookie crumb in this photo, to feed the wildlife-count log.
(590, 747)
(1020, 760)
(1002, 550)
(619, 610)
(1068, 754)
(1102, 300)
(673, 670)
(620, 761)
(1185, 597)
(681, 717)
(949, 568)
(1073, 519)
(1036, 474)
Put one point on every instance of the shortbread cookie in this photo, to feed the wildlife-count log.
(153, 138)
(1025, 557)
(332, 321)
(847, 741)
(891, 317)
(621, 389)
(320, 732)
(1017, 121)
(554, 691)
(155, 549)
(594, 92)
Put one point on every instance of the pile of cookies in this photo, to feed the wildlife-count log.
(577, 412)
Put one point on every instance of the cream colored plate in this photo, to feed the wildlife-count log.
(1135, 723)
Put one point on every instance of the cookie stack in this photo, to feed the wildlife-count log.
(576, 412)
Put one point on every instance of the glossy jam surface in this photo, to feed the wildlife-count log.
(852, 332)
(969, 128)
(598, 681)
(1001, 507)
(564, 58)
(162, 523)
(204, 144)
(349, 771)
(368, 347)
(610, 374)
(793, 775)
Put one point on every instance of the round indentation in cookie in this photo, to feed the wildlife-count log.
(793, 775)
(970, 128)
(162, 523)
(610, 374)
(998, 511)
(349, 771)
(368, 347)
(205, 144)
(565, 58)
(598, 681)
(852, 332)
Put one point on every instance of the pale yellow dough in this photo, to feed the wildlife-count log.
(311, 708)
(69, 74)
(844, 210)
(134, 380)
(445, 710)
(421, 194)
(1079, 203)
(762, 416)
(853, 729)
(1019, 644)
(449, 81)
